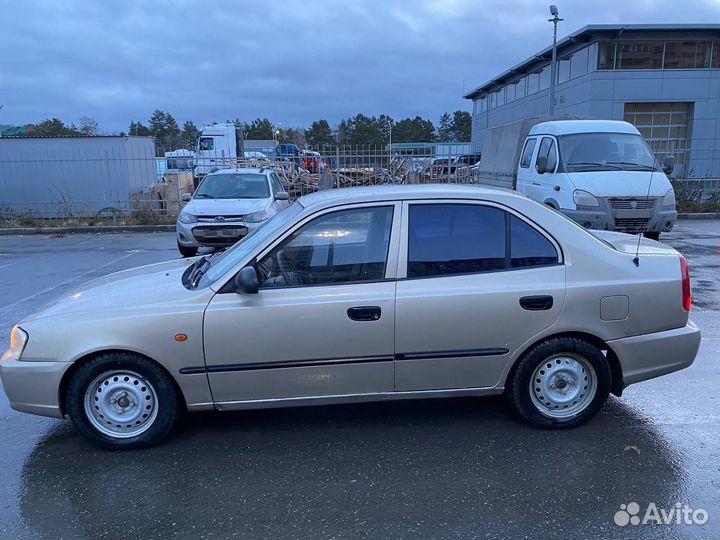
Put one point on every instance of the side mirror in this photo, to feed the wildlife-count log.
(669, 164)
(186, 197)
(246, 281)
(282, 196)
(541, 165)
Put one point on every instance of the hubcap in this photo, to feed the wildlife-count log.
(563, 386)
(121, 404)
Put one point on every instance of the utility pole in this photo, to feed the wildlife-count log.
(553, 66)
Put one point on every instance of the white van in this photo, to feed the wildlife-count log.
(600, 173)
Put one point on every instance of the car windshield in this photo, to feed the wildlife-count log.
(582, 152)
(225, 261)
(233, 186)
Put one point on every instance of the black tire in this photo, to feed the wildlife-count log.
(168, 402)
(521, 394)
(187, 251)
(652, 235)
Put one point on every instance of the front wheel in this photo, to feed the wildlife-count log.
(187, 251)
(123, 401)
(561, 383)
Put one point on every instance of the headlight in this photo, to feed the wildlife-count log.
(187, 218)
(18, 340)
(255, 217)
(583, 198)
(669, 198)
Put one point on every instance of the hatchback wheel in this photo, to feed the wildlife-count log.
(561, 383)
(122, 401)
(187, 251)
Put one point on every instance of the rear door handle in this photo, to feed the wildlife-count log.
(536, 303)
(364, 313)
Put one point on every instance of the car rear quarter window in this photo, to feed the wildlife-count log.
(447, 239)
(528, 247)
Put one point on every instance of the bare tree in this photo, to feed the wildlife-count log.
(88, 126)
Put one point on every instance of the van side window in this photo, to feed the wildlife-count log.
(527, 153)
(547, 149)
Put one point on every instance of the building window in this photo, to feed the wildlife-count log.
(716, 55)
(606, 55)
(563, 70)
(500, 99)
(545, 78)
(640, 55)
(687, 55)
(533, 83)
(521, 88)
(665, 127)
(579, 63)
(510, 93)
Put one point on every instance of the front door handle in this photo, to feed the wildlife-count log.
(536, 303)
(364, 313)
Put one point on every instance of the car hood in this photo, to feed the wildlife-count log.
(621, 183)
(225, 207)
(144, 286)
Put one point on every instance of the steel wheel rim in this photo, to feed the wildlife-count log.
(563, 386)
(121, 404)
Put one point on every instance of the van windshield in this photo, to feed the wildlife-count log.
(582, 152)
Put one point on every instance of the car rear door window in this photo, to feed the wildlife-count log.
(447, 239)
(348, 246)
(528, 247)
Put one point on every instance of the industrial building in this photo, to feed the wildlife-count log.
(58, 177)
(663, 78)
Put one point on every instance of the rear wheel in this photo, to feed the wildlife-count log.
(123, 401)
(187, 251)
(561, 383)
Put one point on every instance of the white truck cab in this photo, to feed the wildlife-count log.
(218, 145)
(600, 173)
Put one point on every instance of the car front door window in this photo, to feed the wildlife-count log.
(348, 246)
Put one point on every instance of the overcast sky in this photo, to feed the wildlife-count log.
(291, 61)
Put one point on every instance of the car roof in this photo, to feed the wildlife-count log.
(334, 197)
(243, 170)
(565, 127)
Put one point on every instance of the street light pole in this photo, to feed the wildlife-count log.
(553, 66)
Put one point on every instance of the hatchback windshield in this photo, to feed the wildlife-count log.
(606, 152)
(234, 186)
(225, 261)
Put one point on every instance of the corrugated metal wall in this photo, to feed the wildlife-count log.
(62, 177)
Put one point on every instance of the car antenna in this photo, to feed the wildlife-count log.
(636, 260)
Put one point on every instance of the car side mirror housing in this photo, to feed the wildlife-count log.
(541, 165)
(246, 281)
(669, 164)
(282, 196)
(186, 197)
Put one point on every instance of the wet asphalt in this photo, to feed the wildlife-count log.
(455, 468)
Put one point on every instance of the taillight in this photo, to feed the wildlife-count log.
(686, 291)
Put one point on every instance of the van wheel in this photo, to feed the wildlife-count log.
(561, 383)
(122, 401)
(652, 235)
(187, 251)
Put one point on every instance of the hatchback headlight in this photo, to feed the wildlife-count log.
(187, 218)
(255, 217)
(669, 198)
(18, 340)
(583, 198)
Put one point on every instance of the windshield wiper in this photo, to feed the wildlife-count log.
(203, 195)
(199, 269)
(640, 166)
(592, 164)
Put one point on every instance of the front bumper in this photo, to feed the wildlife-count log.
(33, 387)
(648, 356)
(606, 217)
(208, 233)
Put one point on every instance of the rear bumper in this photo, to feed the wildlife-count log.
(33, 387)
(651, 355)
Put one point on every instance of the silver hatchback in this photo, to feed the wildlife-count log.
(227, 205)
(364, 294)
